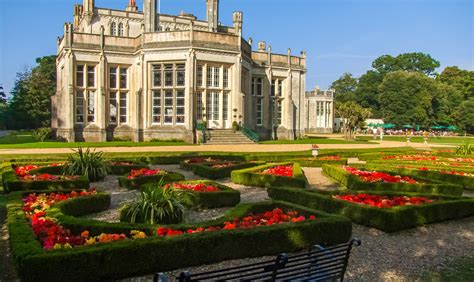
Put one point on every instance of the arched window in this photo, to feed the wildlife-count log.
(120, 29)
(113, 29)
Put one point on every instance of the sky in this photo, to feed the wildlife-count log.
(339, 35)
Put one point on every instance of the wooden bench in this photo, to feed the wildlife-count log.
(319, 264)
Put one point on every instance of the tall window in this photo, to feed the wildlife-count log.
(168, 93)
(118, 95)
(215, 105)
(257, 86)
(113, 29)
(279, 108)
(259, 111)
(225, 108)
(120, 29)
(213, 76)
(277, 87)
(209, 109)
(85, 94)
(226, 78)
(199, 110)
(199, 76)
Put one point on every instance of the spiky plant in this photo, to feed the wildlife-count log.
(89, 163)
(157, 205)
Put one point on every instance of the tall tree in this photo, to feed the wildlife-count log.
(411, 62)
(353, 117)
(345, 88)
(407, 98)
(465, 114)
(367, 93)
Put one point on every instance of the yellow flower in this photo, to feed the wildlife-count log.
(90, 241)
(136, 234)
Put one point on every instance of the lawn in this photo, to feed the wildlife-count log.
(24, 140)
(461, 269)
(435, 140)
(319, 140)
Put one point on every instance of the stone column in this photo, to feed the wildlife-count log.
(190, 99)
(238, 96)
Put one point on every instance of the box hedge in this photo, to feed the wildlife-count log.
(353, 182)
(225, 197)
(207, 171)
(254, 177)
(128, 258)
(137, 183)
(388, 220)
(465, 181)
(12, 183)
(116, 169)
(317, 162)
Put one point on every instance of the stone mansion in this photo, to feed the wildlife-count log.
(143, 75)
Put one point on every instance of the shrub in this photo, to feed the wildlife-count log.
(120, 169)
(11, 183)
(254, 177)
(92, 164)
(353, 182)
(388, 220)
(318, 162)
(156, 206)
(42, 134)
(207, 171)
(465, 149)
(130, 258)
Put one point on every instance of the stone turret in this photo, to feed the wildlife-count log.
(88, 9)
(132, 6)
(150, 15)
(238, 21)
(213, 14)
(262, 46)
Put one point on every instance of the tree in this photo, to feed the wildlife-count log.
(461, 80)
(30, 106)
(465, 114)
(353, 117)
(367, 93)
(345, 88)
(410, 62)
(407, 98)
(3, 108)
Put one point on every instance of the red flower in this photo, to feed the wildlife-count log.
(375, 176)
(280, 171)
(135, 173)
(200, 187)
(383, 201)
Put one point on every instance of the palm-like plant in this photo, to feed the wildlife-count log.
(157, 205)
(88, 163)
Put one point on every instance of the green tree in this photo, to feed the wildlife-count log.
(410, 62)
(367, 93)
(345, 88)
(353, 117)
(465, 114)
(410, 98)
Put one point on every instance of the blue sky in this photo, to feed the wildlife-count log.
(338, 35)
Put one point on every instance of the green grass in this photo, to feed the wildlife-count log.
(435, 140)
(318, 140)
(461, 269)
(25, 140)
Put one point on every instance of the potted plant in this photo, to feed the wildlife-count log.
(315, 150)
(235, 126)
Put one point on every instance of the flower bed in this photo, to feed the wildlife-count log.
(209, 195)
(219, 170)
(137, 178)
(381, 216)
(45, 181)
(124, 167)
(152, 252)
(270, 175)
(355, 179)
(319, 161)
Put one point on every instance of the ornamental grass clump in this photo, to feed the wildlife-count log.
(88, 163)
(156, 206)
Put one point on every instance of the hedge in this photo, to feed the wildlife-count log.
(12, 183)
(388, 220)
(353, 182)
(466, 181)
(130, 258)
(138, 182)
(253, 177)
(205, 170)
(317, 162)
(126, 169)
(54, 170)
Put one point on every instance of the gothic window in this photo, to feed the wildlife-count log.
(226, 78)
(168, 93)
(113, 29)
(199, 77)
(85, 94)
(120, 29)
(199, 109)
(118, 95)
(257, 86)
(277, 87)
(225, 109)
(259, 111)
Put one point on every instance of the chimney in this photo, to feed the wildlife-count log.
(238, 20)
(150, 15)
(88, 10)
(132, 6)
(262, 46)
(213, 14)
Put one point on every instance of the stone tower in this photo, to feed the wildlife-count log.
(213, 14)
(150, 15)
(88, 9)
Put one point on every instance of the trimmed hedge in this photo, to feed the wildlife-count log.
(465, 181)
(54, 170)
(388, 220)
(353, 182)
(138, 182)
(205, 170)
(226, 197)
(130, 258)
(125, 169)
(253, 177)
(12, 183)
(316, 162)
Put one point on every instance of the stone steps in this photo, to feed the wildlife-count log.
(227, 137)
